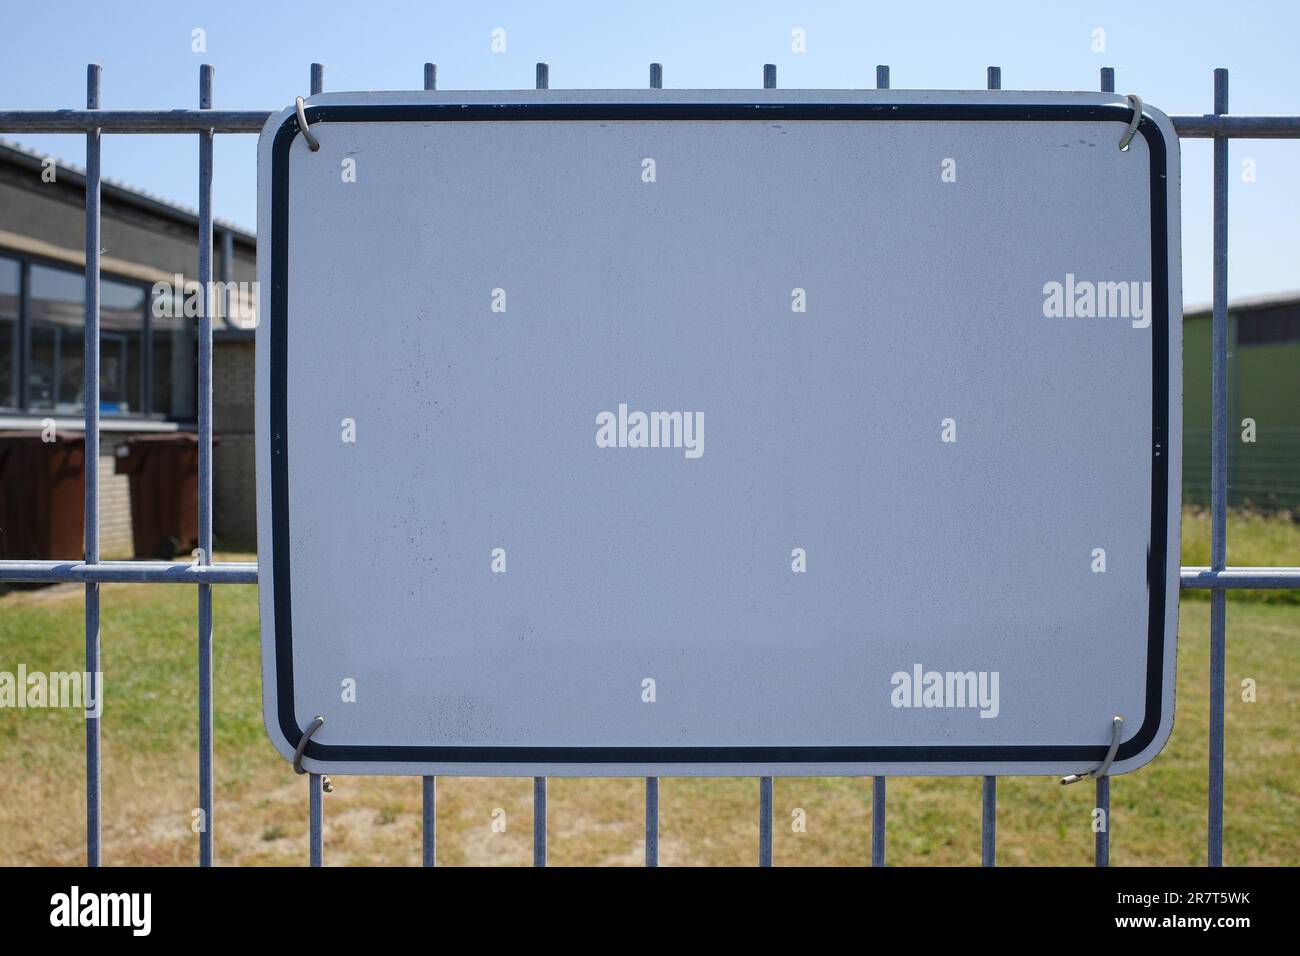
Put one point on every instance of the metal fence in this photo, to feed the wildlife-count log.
(206, 122)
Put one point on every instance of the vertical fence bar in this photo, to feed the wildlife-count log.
(988, 831)
(989, 824)
(1101, 836)
(1218, 478)
(1101, 841)
(539, 821)
(877, 821)
(989, 789)
(316, 796)
(651, 821)
(543, 76)
(205, 471)
(543, 81)
(316, 820)
(656, 76)
(882, 77)
(430, 810)
(20, 370)
(90, 359)
(765, 821)
(765, 783)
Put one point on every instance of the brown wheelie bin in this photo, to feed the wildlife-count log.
(42, 496)
(164, 472)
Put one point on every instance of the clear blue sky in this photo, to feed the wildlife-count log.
(1164, 51)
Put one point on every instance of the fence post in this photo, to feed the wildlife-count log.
(539, 821)
(315, 791)
(316, 820)
(989, 790)
(1218, 476)
(205, 471)
(543, 78)
(429, 785)
(1101, 842)
(877, 821)
(764, 821)
(1101, 803)
(652, 783)
(430, 816)
(989, 823)
(90, 358)
(651, 821)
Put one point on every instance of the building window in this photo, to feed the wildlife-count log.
(121, 349)
(173, 350)
(146, 364)
(54, 355)
(1268, 326)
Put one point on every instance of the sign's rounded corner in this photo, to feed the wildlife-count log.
(1160, 130)
(277, 121)
(1150, 750)
(274, 730)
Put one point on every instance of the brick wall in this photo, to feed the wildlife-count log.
(234, 481)
(114, 501)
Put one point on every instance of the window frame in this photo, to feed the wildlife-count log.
(21, 361)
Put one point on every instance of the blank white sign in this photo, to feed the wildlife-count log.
(696, 432)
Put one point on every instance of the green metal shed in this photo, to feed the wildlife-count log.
(1263, 389)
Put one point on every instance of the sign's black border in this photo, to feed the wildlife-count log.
(533, 112)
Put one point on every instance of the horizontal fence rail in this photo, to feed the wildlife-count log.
(245, 572)
(129, 572)
(1241, 579)
(252, 121)
(133, 121)
(1218, 578)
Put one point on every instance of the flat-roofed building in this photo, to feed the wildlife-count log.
(148, 350)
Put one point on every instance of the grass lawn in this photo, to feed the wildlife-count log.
(151, 768)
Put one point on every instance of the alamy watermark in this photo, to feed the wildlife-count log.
(133, 911)
(1083, 299)
(944, 689)
(63, 689)
(182, 298)
(683, 430)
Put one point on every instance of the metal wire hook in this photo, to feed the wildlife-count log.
(1117, 727)
(1134, 101)
(314, 726)
(312, 142)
